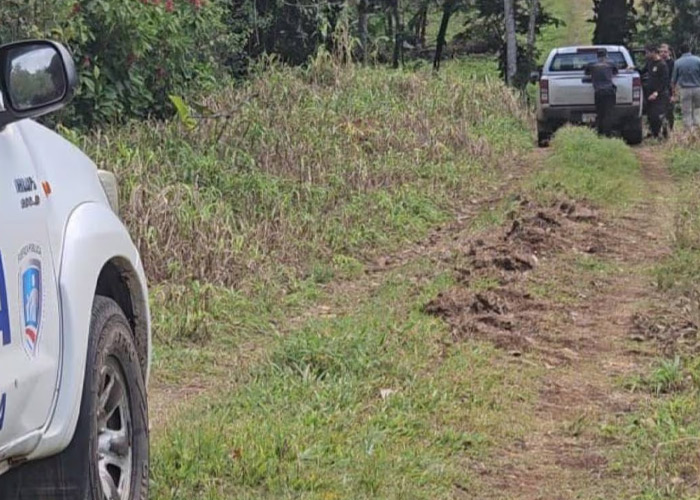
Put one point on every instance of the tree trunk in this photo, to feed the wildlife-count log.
(511, 42)
(362, 17)
(423, 26)
(398, 33)
(532, 28)
(614, 20)
(389, 24)
(447, 8)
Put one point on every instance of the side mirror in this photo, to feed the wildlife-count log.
(36, 78)
(535, 77)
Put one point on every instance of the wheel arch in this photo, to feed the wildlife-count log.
(97, 256)
(119, 281)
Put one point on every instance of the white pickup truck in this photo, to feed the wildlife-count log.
(566, 94)
(75, 336)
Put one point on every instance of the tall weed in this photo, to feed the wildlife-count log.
(298, 165)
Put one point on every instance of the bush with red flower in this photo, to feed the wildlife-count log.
(131, 54)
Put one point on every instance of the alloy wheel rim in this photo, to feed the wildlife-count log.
(114, 433)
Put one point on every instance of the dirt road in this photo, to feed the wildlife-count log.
(568, 284)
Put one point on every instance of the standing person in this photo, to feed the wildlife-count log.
(602, 73)
(686, 82)
(667, 57)
(657, 88)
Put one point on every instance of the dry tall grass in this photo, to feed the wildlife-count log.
(296, 166)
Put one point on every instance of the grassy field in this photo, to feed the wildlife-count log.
(283, 368)
(294, 228)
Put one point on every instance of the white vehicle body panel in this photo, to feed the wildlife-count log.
(78, 234)
(30, 360)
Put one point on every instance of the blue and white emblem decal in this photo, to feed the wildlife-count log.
(31, 289)
(5, 333)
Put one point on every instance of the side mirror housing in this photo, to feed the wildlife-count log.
(36, 77)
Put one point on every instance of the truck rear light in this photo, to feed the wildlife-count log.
(544, 91)
(637, 89)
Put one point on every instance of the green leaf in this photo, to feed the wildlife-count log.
(183, 112)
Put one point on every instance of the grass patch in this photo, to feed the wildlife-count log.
(585, 166)
(680, 272)
(246, 225)
(576, 29)
(658, 442)
(368, 404)
(306, 164)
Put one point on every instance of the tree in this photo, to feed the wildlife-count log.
(398, 33)
(614, 21)
(362, 22)
(447, 10)
(532, 27)
(419, 23)
(668, 21)
(511, 41)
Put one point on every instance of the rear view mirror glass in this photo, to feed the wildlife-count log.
(35, 77)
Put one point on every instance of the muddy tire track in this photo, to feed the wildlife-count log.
(584, 346)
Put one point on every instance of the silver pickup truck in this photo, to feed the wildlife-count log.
(566, 94)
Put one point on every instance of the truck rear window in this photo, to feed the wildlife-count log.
(578, 61)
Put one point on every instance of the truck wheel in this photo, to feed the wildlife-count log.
(113, 413)
(108, 455)
(633, 134)
(544, 135)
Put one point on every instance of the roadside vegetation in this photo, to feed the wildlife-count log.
(281, 366)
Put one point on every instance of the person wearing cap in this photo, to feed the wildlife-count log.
(657, 87)
(667, 57)
(686, 81)
(602, 73)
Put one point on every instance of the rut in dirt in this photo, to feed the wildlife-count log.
(585, 346)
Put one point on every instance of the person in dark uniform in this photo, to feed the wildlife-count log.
(667, 57)
(602, 73)
(658, 85)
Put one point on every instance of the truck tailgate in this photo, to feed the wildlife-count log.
(577, 90)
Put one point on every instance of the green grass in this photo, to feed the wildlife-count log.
(575, 30)
(584, 166)
(311, 163)
(307, 175)
(269, 369)
(658, 442)
(368, 404)
(680, 272)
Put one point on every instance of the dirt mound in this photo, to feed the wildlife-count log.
(534, 232)
(505, 313)
(497, 315)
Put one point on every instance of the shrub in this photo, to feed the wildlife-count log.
(131, 54)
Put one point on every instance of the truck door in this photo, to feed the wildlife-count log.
(30, 340)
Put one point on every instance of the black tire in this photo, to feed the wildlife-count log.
(544, 135)
(74, 474)
(633, 134)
